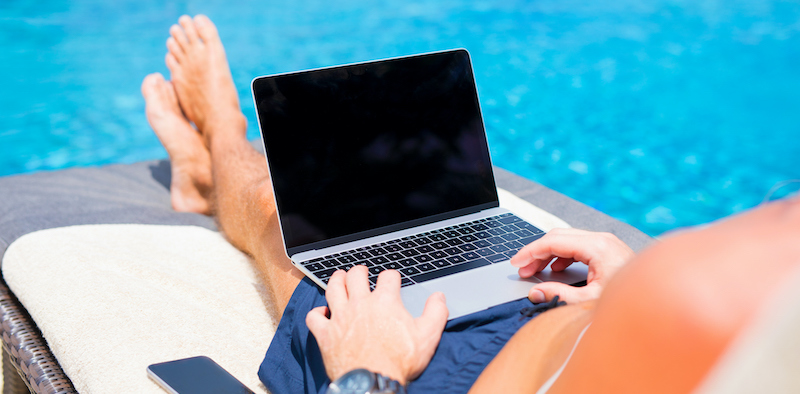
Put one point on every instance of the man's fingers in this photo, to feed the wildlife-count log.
(561, 264)
(434, 316)
(357, 283)
(564, 292)
(388, 280)
(565, 242)
(317, 321)
(336, 293)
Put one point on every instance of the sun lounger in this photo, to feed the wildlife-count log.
(70, 210)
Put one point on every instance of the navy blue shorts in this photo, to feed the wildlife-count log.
(293, 363)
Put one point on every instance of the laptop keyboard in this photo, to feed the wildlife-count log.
(437, 253)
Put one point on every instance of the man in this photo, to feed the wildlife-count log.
(659, 325)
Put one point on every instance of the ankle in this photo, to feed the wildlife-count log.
(226, 128)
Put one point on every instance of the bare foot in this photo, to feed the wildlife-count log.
(191, 184)
(202, 77)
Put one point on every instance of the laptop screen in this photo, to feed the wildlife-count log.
(360, 149)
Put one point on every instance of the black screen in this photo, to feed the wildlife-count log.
(365, 146)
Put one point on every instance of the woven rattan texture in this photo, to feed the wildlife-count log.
(27, 351)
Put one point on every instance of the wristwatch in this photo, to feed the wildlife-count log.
(362, 381)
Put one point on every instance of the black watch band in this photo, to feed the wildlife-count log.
(388, 385)
(362, 381)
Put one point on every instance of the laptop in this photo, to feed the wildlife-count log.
(386, 164)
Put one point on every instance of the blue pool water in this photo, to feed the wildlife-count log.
(661, 113)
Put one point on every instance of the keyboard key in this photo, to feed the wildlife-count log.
(426, 276)
(523, 233)
(439, 254)
(408, 244)
(496, 240)
(409, 252)
(514, 245)
(479, 227)
(483, 235)
(510, 219)
(393, 266)
(496, 231)
(497, 258)
(407, 262)
(452, 234)
(393, 248)
(510, 253)
(483, 243)
(454, 242)
(455, 259)
(423, 240)
(362, 255)
(405, 282)
(394, 256)
(499, 248)
(471, 256)
(529, 227)
(346, 259)
(440, 245)
(376, 270)
(467, 247)
(379, 260)
(325, 273)
(423, 258)
(452, 251)
(425, 267)
(330, 263)
(510, 237)
(469, 238)
(425, 249)
(493, 224)
(484, 252)
(378, 251)
(315, 267)
(440, 263)
(437, 237)
(410, 271)
(466, 230)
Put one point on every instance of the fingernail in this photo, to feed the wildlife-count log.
(536, 296)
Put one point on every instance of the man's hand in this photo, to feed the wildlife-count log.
(373, 330)
(604, 253)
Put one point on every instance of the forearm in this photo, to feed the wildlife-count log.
(536, 351)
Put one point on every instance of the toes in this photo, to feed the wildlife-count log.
(188, 27)
(172, 63)
(151, 82)
(205, 28)
(179, 36)
(174, 48)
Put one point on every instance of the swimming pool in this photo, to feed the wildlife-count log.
(660, 113)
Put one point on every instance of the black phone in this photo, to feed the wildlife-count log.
(195, 375)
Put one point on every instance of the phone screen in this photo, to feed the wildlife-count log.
(196, 375)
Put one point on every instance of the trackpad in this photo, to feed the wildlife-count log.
(470, 291)
(481, 288)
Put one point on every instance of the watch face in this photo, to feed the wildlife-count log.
(355, 382)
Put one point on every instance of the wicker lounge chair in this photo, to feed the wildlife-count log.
(139, 193)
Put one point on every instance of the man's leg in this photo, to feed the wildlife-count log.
(243, 202)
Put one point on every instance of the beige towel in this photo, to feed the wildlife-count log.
(113, 299)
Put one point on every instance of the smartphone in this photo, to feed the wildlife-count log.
(195, 375)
